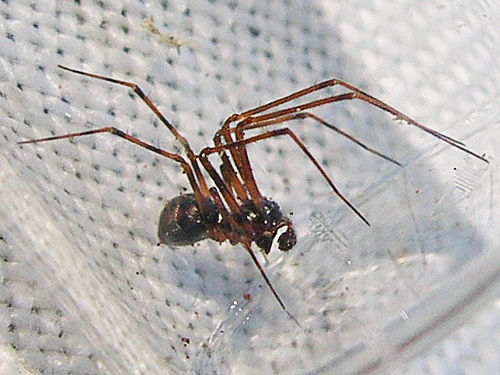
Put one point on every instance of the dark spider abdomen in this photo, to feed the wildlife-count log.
(183, 223)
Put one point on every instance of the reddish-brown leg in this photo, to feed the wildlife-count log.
(114, 131)
(246, 121)
(355, 93)
(248, 248)
(274, 133)
(183, 141)
(256, 122)
(241, 145)
(253, 123)
(234, 207)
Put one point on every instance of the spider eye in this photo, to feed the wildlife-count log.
(287, 240)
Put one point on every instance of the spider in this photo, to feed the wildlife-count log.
(234, 209)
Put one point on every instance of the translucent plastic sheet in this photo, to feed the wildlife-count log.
(85, 289)
(376, 294)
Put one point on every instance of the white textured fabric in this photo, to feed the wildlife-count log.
(85, 289)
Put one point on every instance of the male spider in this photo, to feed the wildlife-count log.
(234, 209)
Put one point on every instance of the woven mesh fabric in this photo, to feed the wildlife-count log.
(86, 290)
